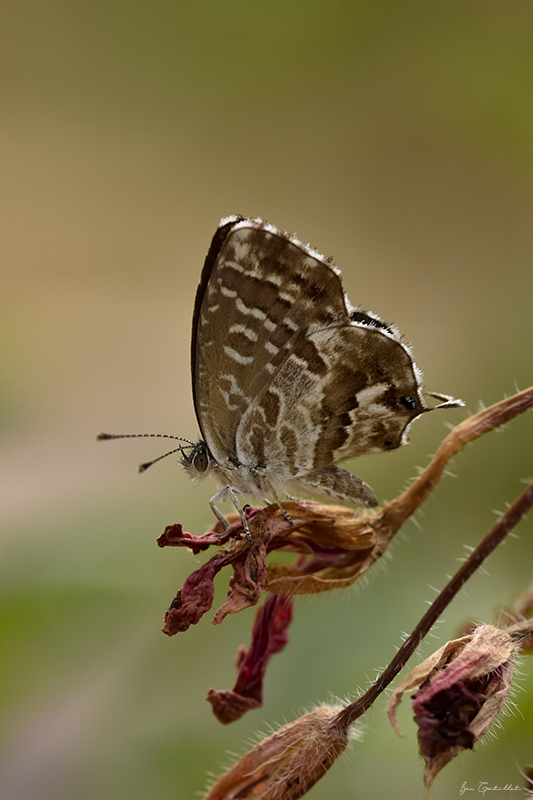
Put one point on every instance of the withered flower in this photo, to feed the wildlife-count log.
(461, 689)
(289, 762)
(333, 546)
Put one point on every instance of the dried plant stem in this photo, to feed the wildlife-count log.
(489, 543)
(394, 514)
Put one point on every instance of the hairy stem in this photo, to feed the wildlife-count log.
(487, 545)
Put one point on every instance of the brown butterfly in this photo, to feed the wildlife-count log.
(288, 377)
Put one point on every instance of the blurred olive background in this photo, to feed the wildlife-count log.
(395, 136)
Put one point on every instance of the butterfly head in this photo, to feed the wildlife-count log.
(197, 460)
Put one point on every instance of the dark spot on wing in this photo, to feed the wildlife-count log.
(308, 351)
(366, 319)
(271, 406)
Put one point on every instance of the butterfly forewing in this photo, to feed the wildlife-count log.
(263, 294)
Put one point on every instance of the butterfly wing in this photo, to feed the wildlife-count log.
(261, 293)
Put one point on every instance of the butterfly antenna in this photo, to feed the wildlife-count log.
(143, 467)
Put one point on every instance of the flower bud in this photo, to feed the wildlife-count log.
(286, 764)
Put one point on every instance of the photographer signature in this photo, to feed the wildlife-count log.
(484, 787)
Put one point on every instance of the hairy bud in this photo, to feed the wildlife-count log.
(461, 689)
(286, 764)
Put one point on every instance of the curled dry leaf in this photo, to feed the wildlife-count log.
(461, 689)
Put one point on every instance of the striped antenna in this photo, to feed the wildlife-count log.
(143, 467)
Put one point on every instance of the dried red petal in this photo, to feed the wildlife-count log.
(196, 595)
(229, 706)
(175, 536)
(269, 636)
(193, 599)
(443, 719)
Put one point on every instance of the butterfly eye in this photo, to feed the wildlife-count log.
(200, 461)
(408, 402)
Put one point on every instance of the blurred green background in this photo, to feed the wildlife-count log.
(395, 136)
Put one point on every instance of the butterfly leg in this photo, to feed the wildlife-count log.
(335, 483)
(222, 495)
(278, 501)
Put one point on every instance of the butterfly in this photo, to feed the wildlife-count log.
(288, 377)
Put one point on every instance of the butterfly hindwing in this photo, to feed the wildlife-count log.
(342, 391)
